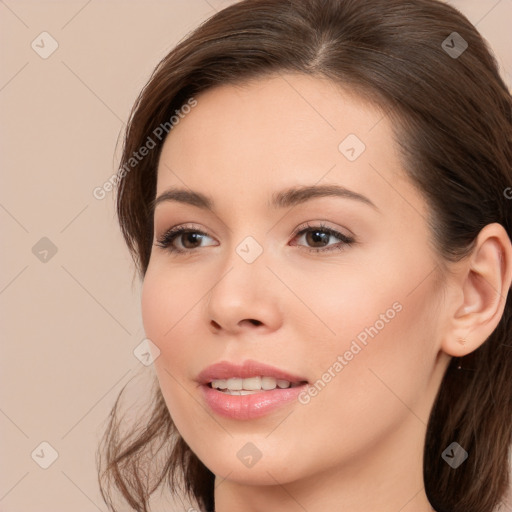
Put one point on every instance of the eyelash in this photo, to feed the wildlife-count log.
(167, 239)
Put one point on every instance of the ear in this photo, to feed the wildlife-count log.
(482, 281)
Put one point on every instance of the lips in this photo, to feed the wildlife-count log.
(247, 405)
(249, 368)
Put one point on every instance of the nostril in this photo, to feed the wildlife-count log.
(251, 320)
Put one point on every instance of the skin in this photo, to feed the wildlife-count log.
(360, 440)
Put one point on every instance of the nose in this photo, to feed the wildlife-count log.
(245, 298)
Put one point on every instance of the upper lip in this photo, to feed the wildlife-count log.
(249, 368)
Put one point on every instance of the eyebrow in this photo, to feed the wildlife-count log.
(284, 199)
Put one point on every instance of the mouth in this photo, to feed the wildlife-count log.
(251, 375)
(224, 387)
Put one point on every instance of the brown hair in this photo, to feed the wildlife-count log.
(453, 122)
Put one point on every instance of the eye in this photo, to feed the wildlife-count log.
(319, 236)
(188, 238)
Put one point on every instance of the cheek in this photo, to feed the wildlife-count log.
(382, 324)
(167, 297)
(167, 306)
(346, 303)
(382, 357)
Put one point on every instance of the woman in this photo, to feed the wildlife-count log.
(315, 195)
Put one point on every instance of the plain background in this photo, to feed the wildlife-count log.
(71, 322)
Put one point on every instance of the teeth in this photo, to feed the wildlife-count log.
(251, 384)
(234, 384)
(268, 383)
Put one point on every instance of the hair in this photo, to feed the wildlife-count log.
(452, 120)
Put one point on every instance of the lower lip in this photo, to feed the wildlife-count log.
(248, 407)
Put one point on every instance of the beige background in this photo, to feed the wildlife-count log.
(70, 324)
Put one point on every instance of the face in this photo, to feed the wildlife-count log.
(337, 290)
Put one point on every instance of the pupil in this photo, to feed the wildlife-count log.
(317, 236)
(191, 237)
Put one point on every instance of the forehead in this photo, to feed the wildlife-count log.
(280, 131)
(299, 108)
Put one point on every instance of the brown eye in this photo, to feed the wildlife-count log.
(317, 239)
(189, 239)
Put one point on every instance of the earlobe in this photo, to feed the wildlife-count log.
(484, 279)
